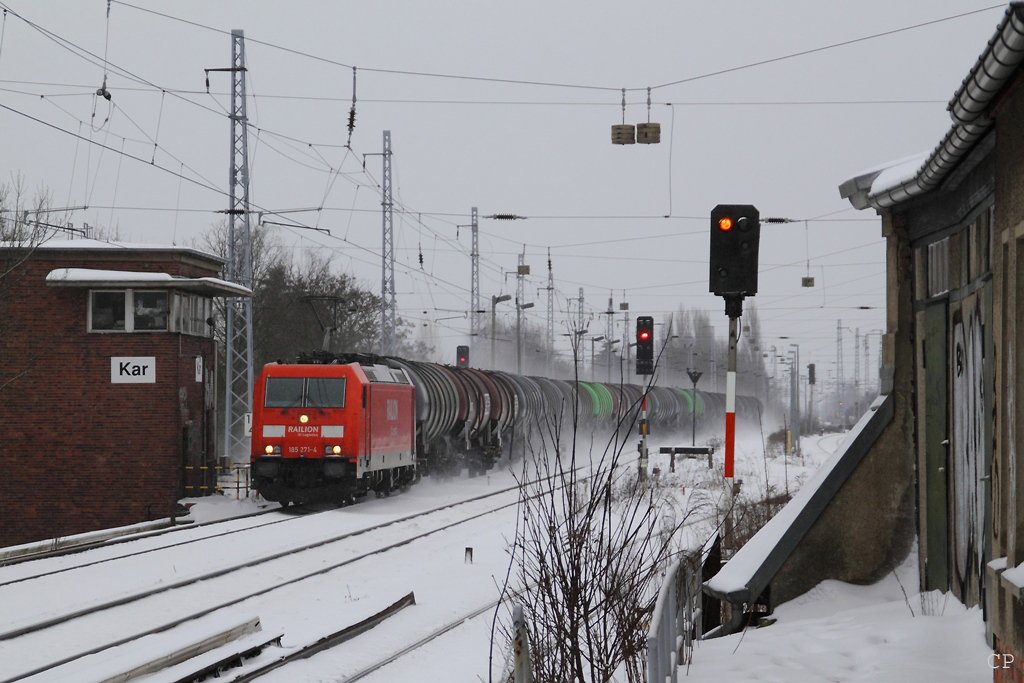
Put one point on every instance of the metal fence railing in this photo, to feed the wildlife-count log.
(679, 614)
(202, 480)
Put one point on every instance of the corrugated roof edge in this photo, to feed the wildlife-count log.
(100, 245)
(994, 67)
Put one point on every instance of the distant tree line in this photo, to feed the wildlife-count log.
(300, 306)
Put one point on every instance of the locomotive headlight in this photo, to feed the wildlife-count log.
(336, 450)
(303, 419)
(268, 449)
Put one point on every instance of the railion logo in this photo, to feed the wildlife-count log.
(303, 429)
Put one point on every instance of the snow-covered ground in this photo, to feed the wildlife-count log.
(868, 634)
(835, 632)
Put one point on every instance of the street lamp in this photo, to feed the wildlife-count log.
(794, 396)
(611, 344)
(519, 340)
(593, 341)
(495, 300)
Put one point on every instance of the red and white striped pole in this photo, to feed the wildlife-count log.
(730, 423)
(643, 438)
(730, 420)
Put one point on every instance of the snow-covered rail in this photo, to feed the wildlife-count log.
(43, 638)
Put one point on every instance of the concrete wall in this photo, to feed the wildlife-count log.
(868, 528)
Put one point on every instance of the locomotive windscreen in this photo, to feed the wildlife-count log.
(325, 392)
(308, 392)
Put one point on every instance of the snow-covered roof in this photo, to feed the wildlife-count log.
(744, 577)
(898, 181)
(88, 244)
(95, 278)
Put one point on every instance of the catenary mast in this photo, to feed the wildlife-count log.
(239, 356)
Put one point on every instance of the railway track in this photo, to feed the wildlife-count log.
(159, 596)
(42, 639)
(21, 568)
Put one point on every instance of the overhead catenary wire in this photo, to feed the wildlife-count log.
(117, 183)
(334, 171)
(577, 86)
(159, 119)
(493, 102)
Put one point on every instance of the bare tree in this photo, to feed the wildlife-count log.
(592, 543)
(23, 227)
(296, 304)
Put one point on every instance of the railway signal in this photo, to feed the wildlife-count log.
(645, 345)
(735, 235)
(462, 357)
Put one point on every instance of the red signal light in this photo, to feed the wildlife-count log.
(644, 335)
(725, 223)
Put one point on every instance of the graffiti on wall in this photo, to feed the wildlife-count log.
(968, 445)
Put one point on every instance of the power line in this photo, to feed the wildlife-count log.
(112, 149)
(576, 86)
(492, 102)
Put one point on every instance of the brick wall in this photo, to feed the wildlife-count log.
(78, 452)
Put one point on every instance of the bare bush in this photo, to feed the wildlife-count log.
(591, 548)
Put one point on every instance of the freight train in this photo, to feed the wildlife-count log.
(336, 427)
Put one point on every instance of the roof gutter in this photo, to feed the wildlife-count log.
(968, 109)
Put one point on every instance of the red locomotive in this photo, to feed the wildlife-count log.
(332, 431)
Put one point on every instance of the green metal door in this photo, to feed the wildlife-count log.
(936, 445)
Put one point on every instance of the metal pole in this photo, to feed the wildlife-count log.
(519, 343)
(523, 671)
(733, 310)
(593, 366)
(794, 398)
(388, 304)
(474, 279)
(608, 337)
(694, 377)
(643, 439)
(239, 331)
(730, 400)
(693, 416)
(625, 336)
(551, 316)
(494, 304)
(519, 311)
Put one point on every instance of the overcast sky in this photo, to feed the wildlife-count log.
(506, 107)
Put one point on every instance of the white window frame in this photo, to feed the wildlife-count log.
(129, 317)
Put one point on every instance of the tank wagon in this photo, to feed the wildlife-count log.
(338, 426)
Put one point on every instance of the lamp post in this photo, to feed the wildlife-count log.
(878, 371)
(611, 344)
(495, 300)
(593, 341)
(519, 339)
(794, 396)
